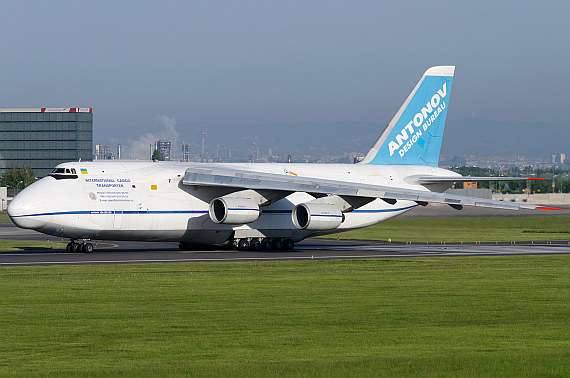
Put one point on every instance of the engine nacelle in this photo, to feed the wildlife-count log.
(234, 210)
(317, 216)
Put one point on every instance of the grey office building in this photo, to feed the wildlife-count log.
(41, 138)
(165, 147)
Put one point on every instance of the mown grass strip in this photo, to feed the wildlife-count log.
(490, 316)
(16, 245)
(455, 230)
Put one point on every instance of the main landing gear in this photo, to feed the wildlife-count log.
(266, 244)
(79, 247)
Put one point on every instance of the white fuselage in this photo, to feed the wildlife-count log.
(148, 201)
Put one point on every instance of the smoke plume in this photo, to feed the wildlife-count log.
(165, 129)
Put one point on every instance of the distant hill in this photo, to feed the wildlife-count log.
(298, 138)
(462, 137)
(485, 137)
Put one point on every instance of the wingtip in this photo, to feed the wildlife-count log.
(549, 208)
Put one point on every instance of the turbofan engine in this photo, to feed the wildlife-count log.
(234, 210)
(317, 216)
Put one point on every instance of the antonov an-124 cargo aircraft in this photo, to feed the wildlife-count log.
(255, 206)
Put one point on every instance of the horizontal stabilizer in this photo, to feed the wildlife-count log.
(442, 179)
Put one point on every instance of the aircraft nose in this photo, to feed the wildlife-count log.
(23, 212)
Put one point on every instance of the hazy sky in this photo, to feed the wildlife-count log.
(142, 64)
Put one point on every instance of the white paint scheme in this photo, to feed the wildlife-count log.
(440, 71)
(75, 208)
(153, 201)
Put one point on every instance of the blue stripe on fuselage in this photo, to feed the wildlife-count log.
(141, 212)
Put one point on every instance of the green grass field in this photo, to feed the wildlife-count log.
(476, 316)
(4, 217)
(455, 230)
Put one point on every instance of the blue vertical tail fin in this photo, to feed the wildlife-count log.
(414, 135)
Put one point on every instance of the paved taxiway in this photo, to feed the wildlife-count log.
(144, 252)
(318, 249)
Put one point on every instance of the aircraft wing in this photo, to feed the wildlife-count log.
(256, 180)
(443, 179)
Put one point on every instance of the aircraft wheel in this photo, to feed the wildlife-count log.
(288, 244)
(69, 247)
(266, 244)
(87, 248)
(255, 245)
(76, 248)
(277, 244)
(243, 245)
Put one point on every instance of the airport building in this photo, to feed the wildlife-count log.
(41, 138)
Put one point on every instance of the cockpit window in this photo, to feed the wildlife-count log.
(63, 173)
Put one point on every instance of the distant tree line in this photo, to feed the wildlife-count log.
(560, 177)
(157, 156)
(18, 178)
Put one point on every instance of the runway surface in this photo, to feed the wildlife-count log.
(311, 249)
